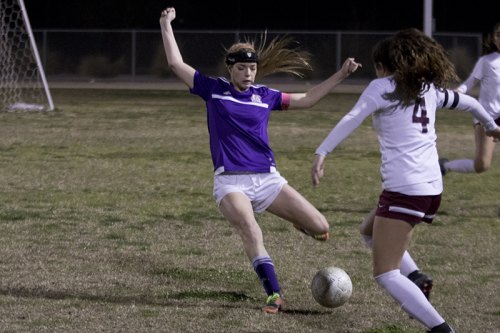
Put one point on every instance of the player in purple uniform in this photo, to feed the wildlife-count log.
(486, 72)
(246, 180)
(413, 73)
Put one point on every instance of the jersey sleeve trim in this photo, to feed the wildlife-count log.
(285, 101)
(453, 101)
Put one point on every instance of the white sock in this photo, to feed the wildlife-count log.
(464, 166)
(408, 265)
(410, 297)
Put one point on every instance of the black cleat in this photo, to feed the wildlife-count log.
(423, 281)
(443, 328)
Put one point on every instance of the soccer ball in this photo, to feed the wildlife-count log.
(331, 287)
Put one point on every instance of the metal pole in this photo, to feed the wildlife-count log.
(37, 56)
(428, 17)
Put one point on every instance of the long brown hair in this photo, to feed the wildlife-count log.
(489, 45)
(281, 55)
(416, 61)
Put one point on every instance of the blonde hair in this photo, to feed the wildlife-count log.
(278, 56)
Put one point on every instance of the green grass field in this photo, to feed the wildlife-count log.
(107, 224)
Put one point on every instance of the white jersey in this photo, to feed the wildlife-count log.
(406, 135)
(487, 73)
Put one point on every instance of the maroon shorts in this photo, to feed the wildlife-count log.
(409, 208)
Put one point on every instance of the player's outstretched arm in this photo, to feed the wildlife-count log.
(470, 104)
(313, 95)
(174, 58)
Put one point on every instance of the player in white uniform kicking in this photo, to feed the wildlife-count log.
(412, 71)
(486, 72)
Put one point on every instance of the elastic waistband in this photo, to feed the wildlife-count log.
(221, 171)
(237, 173)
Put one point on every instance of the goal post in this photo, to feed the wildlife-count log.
(23, 85)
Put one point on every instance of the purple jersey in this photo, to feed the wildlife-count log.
(237, 124)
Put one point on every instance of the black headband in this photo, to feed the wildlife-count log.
(241, 56)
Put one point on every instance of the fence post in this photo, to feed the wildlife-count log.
(133, 54)
(338, 50)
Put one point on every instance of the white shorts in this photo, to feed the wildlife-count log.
(260, 188)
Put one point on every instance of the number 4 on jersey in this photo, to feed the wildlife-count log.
(423, 119)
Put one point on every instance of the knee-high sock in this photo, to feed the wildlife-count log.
(464, 166)
(408, 265)
(264, 267)
(410, 297)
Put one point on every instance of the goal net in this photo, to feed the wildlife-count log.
(23, 86)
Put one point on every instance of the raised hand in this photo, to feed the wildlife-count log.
(167, 15)
(350, 66)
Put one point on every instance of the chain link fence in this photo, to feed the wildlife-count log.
(138, 55)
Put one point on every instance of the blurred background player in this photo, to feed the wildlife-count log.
(413, 72)
(486, 72)
(246, 179)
